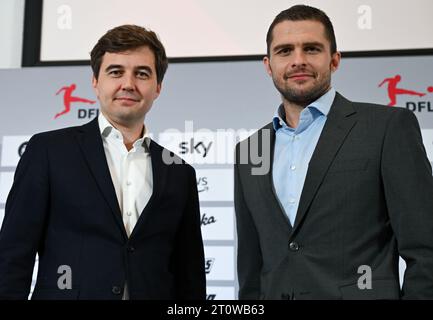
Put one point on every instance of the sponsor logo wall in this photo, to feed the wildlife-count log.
(204, 109)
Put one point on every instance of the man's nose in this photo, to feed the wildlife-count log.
(299, 58)
(128, 82)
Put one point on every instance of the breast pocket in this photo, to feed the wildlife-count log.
(349, 165)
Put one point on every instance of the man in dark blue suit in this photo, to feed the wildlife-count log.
(108, 217)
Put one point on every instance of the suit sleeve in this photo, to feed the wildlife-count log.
(249, 256)
(25, 214)
(189, 253)
(408, 187)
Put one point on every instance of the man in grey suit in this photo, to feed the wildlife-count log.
(348, 188)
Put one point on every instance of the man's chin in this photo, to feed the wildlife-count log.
(302, 96)
(300, 99)
(129, 117)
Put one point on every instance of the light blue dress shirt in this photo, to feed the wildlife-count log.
(293, 150)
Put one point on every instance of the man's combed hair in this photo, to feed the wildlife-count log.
(129, 37)
(301, 13)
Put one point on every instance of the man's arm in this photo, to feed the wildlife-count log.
(249, 259)
(25, 214)
(189, 252)
(408, 186)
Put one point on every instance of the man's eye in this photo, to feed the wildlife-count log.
(142, 75)
(115, 73)
(284, 51)
(312, 49)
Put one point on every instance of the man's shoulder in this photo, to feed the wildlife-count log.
(375, 109)
(55, 135)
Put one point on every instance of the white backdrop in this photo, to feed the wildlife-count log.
(197, 28)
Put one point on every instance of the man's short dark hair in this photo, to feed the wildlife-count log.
(300, 13)
(129, 37)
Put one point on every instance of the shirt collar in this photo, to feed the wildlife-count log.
(321, 106)
(108, 130)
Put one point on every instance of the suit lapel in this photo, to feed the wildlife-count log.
(266, 181)
(341, 119)
(90, 141)
(159, 176)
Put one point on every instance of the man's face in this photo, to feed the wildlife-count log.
(126, 86)
(300, 61)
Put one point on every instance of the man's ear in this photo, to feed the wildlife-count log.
(267, 63)
(158, 90)
(95, 85)
(335, 61)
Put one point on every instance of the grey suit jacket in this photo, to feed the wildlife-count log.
(367, 198)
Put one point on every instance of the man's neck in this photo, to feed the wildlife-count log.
(293, 113)
(293, 109)
(131, 132)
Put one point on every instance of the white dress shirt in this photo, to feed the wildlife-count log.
(131, 171)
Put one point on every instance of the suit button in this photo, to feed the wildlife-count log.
(131, 249)
(116, 290)
(293, 246)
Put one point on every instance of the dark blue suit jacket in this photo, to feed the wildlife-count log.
(63, 206)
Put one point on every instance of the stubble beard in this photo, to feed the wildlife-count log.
(304, 97)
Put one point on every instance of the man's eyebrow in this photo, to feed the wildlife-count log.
(282, 46)
(119, 66)
(146, 68)
(314, 44)
(113, 66)
(306, 44)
